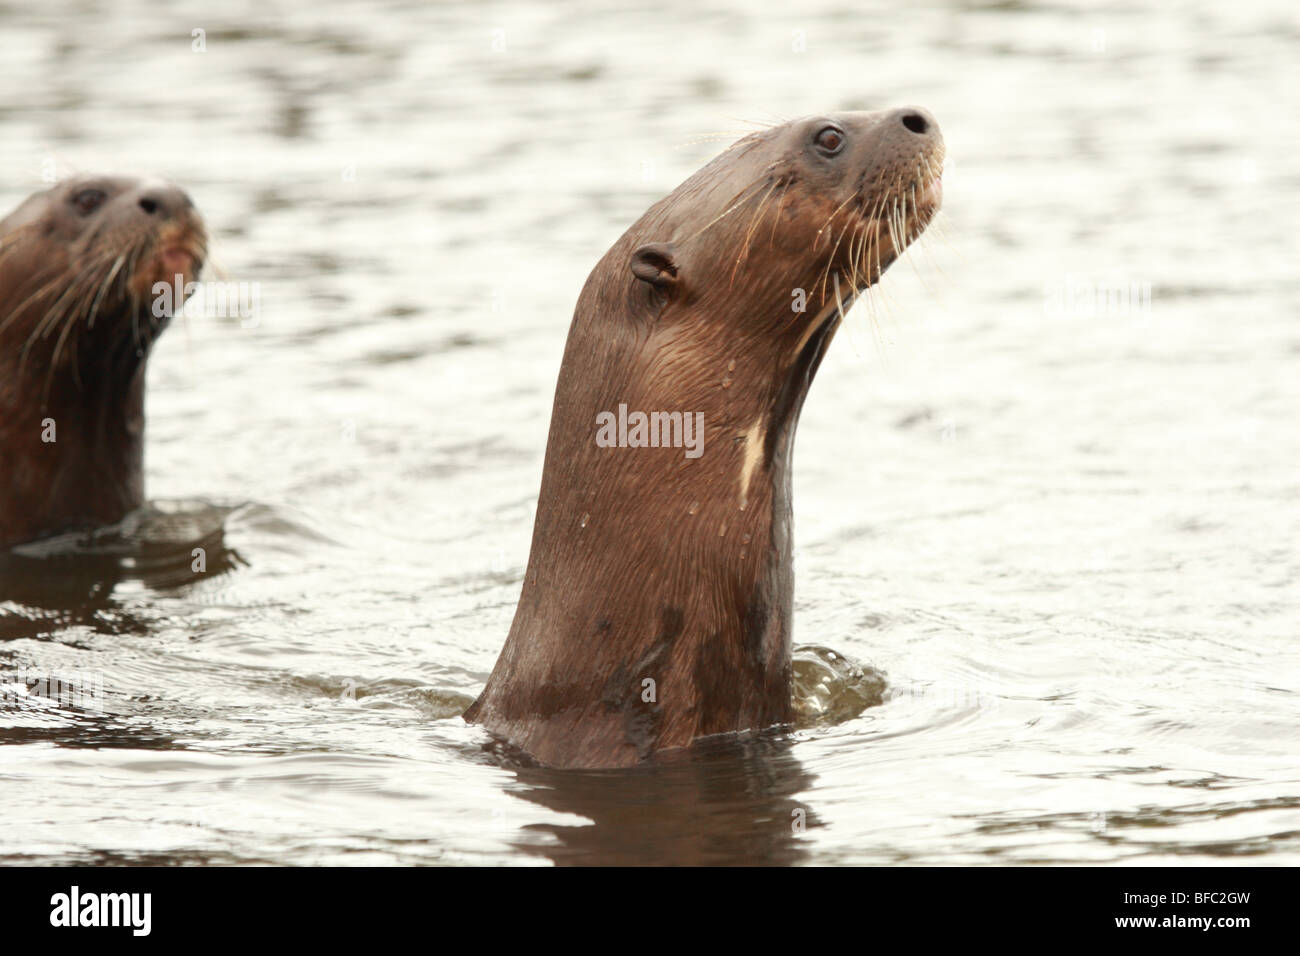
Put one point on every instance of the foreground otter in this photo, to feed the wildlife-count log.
(656, 604)
(78, 263)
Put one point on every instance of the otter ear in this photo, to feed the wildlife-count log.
(654, 264)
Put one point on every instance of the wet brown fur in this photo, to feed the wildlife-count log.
(646, 564)
(76, 327)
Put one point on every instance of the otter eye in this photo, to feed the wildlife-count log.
(88, 200)
(830, 140)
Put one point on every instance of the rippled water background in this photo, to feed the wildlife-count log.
(1067, 533)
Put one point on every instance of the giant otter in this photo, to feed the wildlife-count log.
(78, 264)
(656, 604)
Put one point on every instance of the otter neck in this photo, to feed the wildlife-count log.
(76, 448)
(658, 597)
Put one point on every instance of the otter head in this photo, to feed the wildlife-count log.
(790, 218)
(755, 259)
(788, 227)
(79, 263)
(81, 270)
(657, 603)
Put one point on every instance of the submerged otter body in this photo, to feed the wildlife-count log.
(78, 263)
(656, 605)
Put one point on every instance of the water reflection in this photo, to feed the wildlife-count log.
(721, 802)
(70, 578)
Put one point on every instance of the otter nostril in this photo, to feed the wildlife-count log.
(915, 122)
(149, 204)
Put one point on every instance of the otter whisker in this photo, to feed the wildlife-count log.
(873, 222)
(133, 300)
(737, 201)
(831, 258)
(839, 302)
(777, 219)
(749, 233)
(873, 251)
(880, 270)
(54, 281)
(859, 236)
(830, 217)
(53, 316)
(74, 312)
(715, 136)
(78, 292)
(103, 288)
(891, 223)
(817, 240)
(911, 220)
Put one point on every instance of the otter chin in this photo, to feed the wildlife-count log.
(656, 604)
(79, 263)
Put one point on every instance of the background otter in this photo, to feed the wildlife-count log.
(77, 266)
(656, 604)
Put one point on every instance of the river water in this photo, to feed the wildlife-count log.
(1046, 481)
